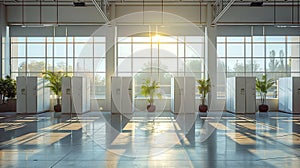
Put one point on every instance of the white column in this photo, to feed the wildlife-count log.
(2, 35)
(110, 63)
(211, 59)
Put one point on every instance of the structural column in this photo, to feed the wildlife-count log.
(110, 62)
(2, 28)
(211, 60)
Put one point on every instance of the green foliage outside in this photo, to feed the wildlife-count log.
(8, 88)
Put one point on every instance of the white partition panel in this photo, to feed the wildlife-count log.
(66, 98)
(21, 95)
(183, 95)
(241, 95)
(32, 96)
(121, 90)
(289, 94)
(75, 95)
(80, 94)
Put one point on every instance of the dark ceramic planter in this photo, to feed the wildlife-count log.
(151, 108)
(203, 108)
(57, 108)
(263, 108)
(9, 106)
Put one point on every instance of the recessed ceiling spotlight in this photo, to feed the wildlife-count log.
(256, 4)
(78, 3)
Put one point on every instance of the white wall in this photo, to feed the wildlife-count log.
(258, 15)
(191, 12)
(66, 15)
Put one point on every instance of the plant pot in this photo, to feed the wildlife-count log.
(151, 108)
(203, 108)
(57, 108)
(9, 106)
(263, 108)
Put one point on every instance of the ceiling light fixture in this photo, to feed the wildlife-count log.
(78, 4)
(256, 4)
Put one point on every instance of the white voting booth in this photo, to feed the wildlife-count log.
(32, 95)
(121, 95)
(289, 94)
(75, 95)
(241, 95)
(183, 95)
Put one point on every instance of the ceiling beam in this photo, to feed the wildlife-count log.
(100, 11)
(222, 12)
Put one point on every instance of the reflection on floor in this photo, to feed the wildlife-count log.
(150, 140)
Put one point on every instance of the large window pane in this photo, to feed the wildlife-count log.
(276, 65)
(99, 64)
(141, 50)
(275, 50)
(49, 50)
(194, 65)
(293, 50)
(124, 65)
(60, 64)
(99, 86)
(18, 50)
(275, 56)
(124, 50)
(60, 50)
(235, 50)
(275, 39)
(35, 65)
(141, 64)
(168, 64)
(99, 50)
(258, 50)
(194, 50)
(36, 50)
(235, 39)
(221, 50)
(168, 50)
(258, 65)
(160, 59)
(18, 65)
(36, 39)
(294, 65)
(235, 65)
(83, 50)
(33, 55)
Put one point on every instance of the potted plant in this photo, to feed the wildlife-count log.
(55, 79)
(262, 86)
(204, 86)
(8, 89)
(149, 90)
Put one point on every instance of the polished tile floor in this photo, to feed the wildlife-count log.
(150, 140)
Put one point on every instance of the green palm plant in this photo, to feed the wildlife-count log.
(149, 90)
(262, 86)
(55, 80)
(204, 86)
